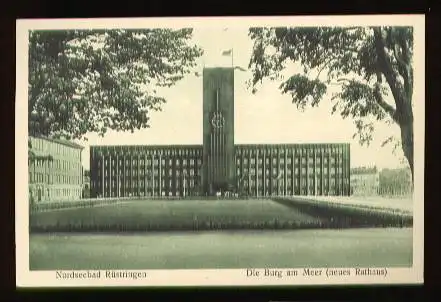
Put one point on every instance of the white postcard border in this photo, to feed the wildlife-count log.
(227, 277)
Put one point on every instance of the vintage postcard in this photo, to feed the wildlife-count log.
(220, 151)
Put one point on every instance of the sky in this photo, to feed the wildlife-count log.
(263, 118)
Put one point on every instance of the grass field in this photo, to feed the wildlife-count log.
(168, 215)
(380, 247)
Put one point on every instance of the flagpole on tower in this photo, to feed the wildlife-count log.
(232, 57)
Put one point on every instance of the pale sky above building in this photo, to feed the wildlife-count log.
(265, 117)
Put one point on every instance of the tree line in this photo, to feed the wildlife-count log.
(83, 81)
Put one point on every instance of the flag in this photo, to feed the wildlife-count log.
(227, 52)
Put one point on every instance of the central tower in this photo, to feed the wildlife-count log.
(218, 129)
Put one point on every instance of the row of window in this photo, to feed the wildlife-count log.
(290, 151)
(145, 179)
(244, 171)
(148, 172)
(239, 152)
(275, 171)
(289, 168)
(148, 162)
(281, 160)
(54, 179)
(243, 161)
(58, 164)
(131, 193)
(40, 194)
(141, 184)
(129, 152)
(281, 183)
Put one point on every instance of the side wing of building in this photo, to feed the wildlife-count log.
(125, 171)
(293, 169)
(58, 178)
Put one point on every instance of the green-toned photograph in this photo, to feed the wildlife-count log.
(221, 147)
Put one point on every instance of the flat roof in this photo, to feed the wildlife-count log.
(61, 142)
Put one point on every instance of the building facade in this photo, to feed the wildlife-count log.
(57, 177)
(219, 164)
(293, 169)
(365, 181)
(124, 171)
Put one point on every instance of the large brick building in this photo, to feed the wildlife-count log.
(219, 164)
(56, 171)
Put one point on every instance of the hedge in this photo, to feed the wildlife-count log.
(336, 215)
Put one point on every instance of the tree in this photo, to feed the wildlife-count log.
(84, 81)
(365, 64)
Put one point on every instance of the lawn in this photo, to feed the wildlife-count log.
(142, 215)
(380, 247)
